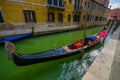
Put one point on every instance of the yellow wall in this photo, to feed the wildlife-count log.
(68, 5)
(36, 1)
(13, 11)
(66, 13)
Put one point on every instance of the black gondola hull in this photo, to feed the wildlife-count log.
(23, 61)
(27, 61)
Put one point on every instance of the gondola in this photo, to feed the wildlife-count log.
(53, 54)
(14, 37)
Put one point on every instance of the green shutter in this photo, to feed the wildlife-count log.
(25, 15)
(1, 18)
(33, 15)
(53, 17)
(69, 18)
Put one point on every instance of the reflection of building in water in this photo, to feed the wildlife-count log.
(56, 12)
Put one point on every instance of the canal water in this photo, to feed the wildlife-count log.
(70, 68)
(75, 69)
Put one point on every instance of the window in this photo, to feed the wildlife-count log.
(49, 2)
(1, 18)
(50, 17)
(92, 18)
(70, 1)
(29, 16)
(85, 3)
(77, 5)
(96, 18)
(88, 17)
(92, 6)
(100, 19)
(69, 18)
(60, 17)
(105, 19)
(60, 3)
(88, 4)
(76, 18)
(55, 2)
(95, 7)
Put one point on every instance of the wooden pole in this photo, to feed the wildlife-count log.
(33, 31)
(84, 34)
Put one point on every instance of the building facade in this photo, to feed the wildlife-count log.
(54, 12)
(114, 14)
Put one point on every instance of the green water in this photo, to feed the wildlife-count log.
(43, 71)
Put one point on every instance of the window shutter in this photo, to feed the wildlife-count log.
(69, 18)
(53, 17)
(1, 18)
(26, 16)
(34, 17)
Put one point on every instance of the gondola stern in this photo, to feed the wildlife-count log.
(10, 50)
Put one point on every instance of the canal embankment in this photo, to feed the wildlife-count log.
(37, 29)
(106, 65)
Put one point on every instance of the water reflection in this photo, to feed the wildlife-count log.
(76, 69)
